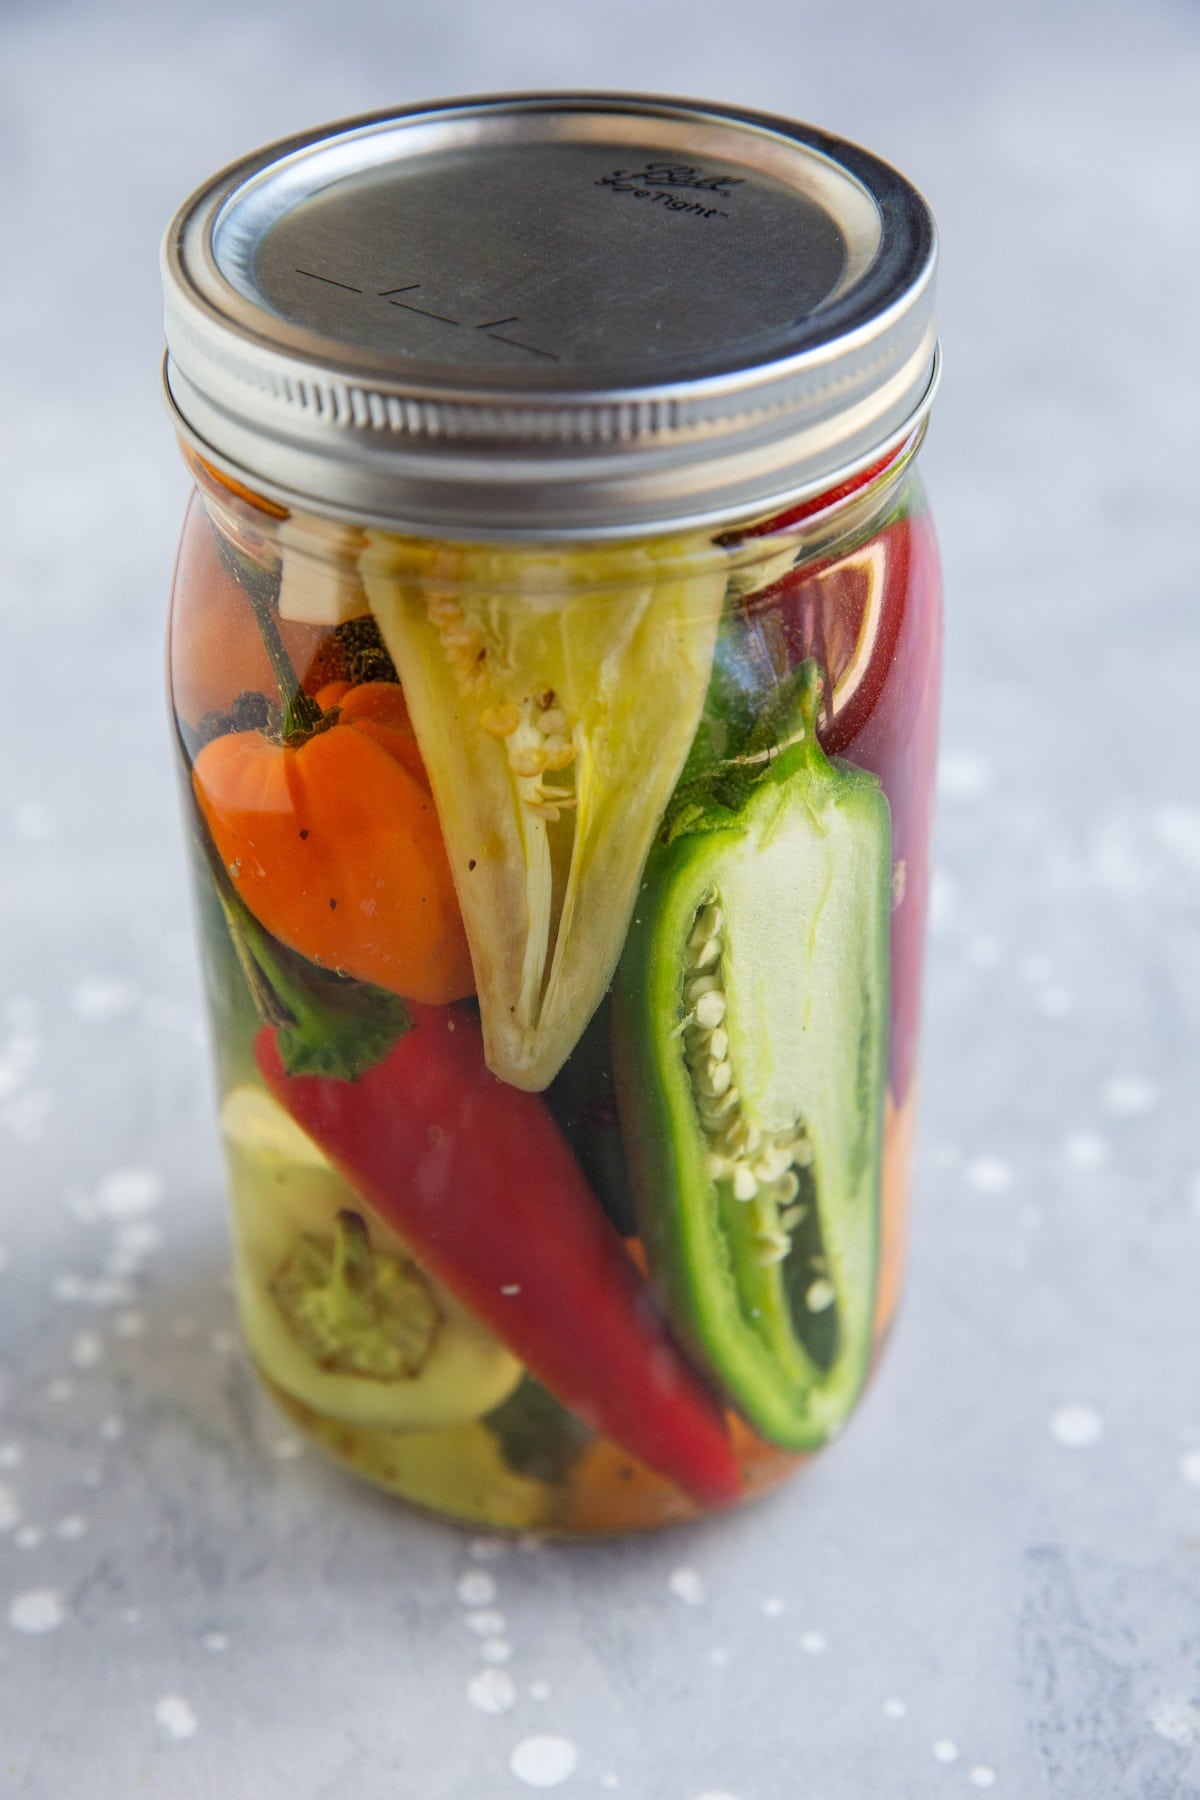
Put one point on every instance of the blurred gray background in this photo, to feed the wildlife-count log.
(994, 1581)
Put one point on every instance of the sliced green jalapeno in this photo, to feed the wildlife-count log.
(750, 1046)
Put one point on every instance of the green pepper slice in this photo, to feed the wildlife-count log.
(750, 1047)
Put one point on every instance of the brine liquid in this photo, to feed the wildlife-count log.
(468, 1433)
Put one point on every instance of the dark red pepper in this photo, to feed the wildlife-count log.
(897, 740)
(889, 724)
(478, 1181)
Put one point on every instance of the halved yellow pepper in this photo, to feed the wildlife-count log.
(555, 694)
(420, 1361)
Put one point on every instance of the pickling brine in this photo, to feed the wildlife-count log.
(563, 916)
(561, 879)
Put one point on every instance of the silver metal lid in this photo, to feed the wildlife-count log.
(550, 315)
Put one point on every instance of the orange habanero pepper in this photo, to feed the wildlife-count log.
(331, 839)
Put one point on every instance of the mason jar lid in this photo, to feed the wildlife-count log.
(550, 315)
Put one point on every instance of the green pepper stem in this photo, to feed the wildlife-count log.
(352, 1270)
(300, 711)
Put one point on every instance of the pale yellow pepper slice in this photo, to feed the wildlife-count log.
(555, 693)
(287, 1197)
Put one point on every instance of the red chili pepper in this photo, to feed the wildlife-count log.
(479, 1182)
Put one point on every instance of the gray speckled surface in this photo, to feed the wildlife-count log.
(994, 1581)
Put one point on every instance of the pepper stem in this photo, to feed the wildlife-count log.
(811, 694)
(352, 1270)
(299, 710)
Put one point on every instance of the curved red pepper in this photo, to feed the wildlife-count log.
(479, 1182)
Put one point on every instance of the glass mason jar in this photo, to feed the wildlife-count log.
(558, 751)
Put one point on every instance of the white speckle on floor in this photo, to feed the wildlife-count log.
(945, 1750)
(492, 1691)
(1055, 1003)
(98, 998)
(216, 1641)
(29, 1537)
(37, 1610)
(73, 1526)
(610, 1780)
(540, 1690)
(132, 1615)
(988, 1174)
(129, 1324)
(34, 821)
(714, 1794)
(543, 1762)
(176, 1717)
(91, 1478)
(112, 1428)
(487, 1623)
(10, 1507)
(476, 1588)
(60, 1389)
(773, 1607)
(1075, 1426)
(1084, 1149)
(224, 1342)
(87, 1350)
(962, 775)
(1175, 1718)
(1130, 1095)
(11, 1455)
(981, 1776)
(183, 1327)
(719, 1657)
(67, 1288)
(128, 1193)
(813, 1642)
(1189, 1467)
(495, 1650)
(286, 1449)
(894, 1709)
(484, 1549)
(686, 1585)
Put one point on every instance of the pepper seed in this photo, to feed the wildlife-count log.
(710, 1007)
(744, 1185)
